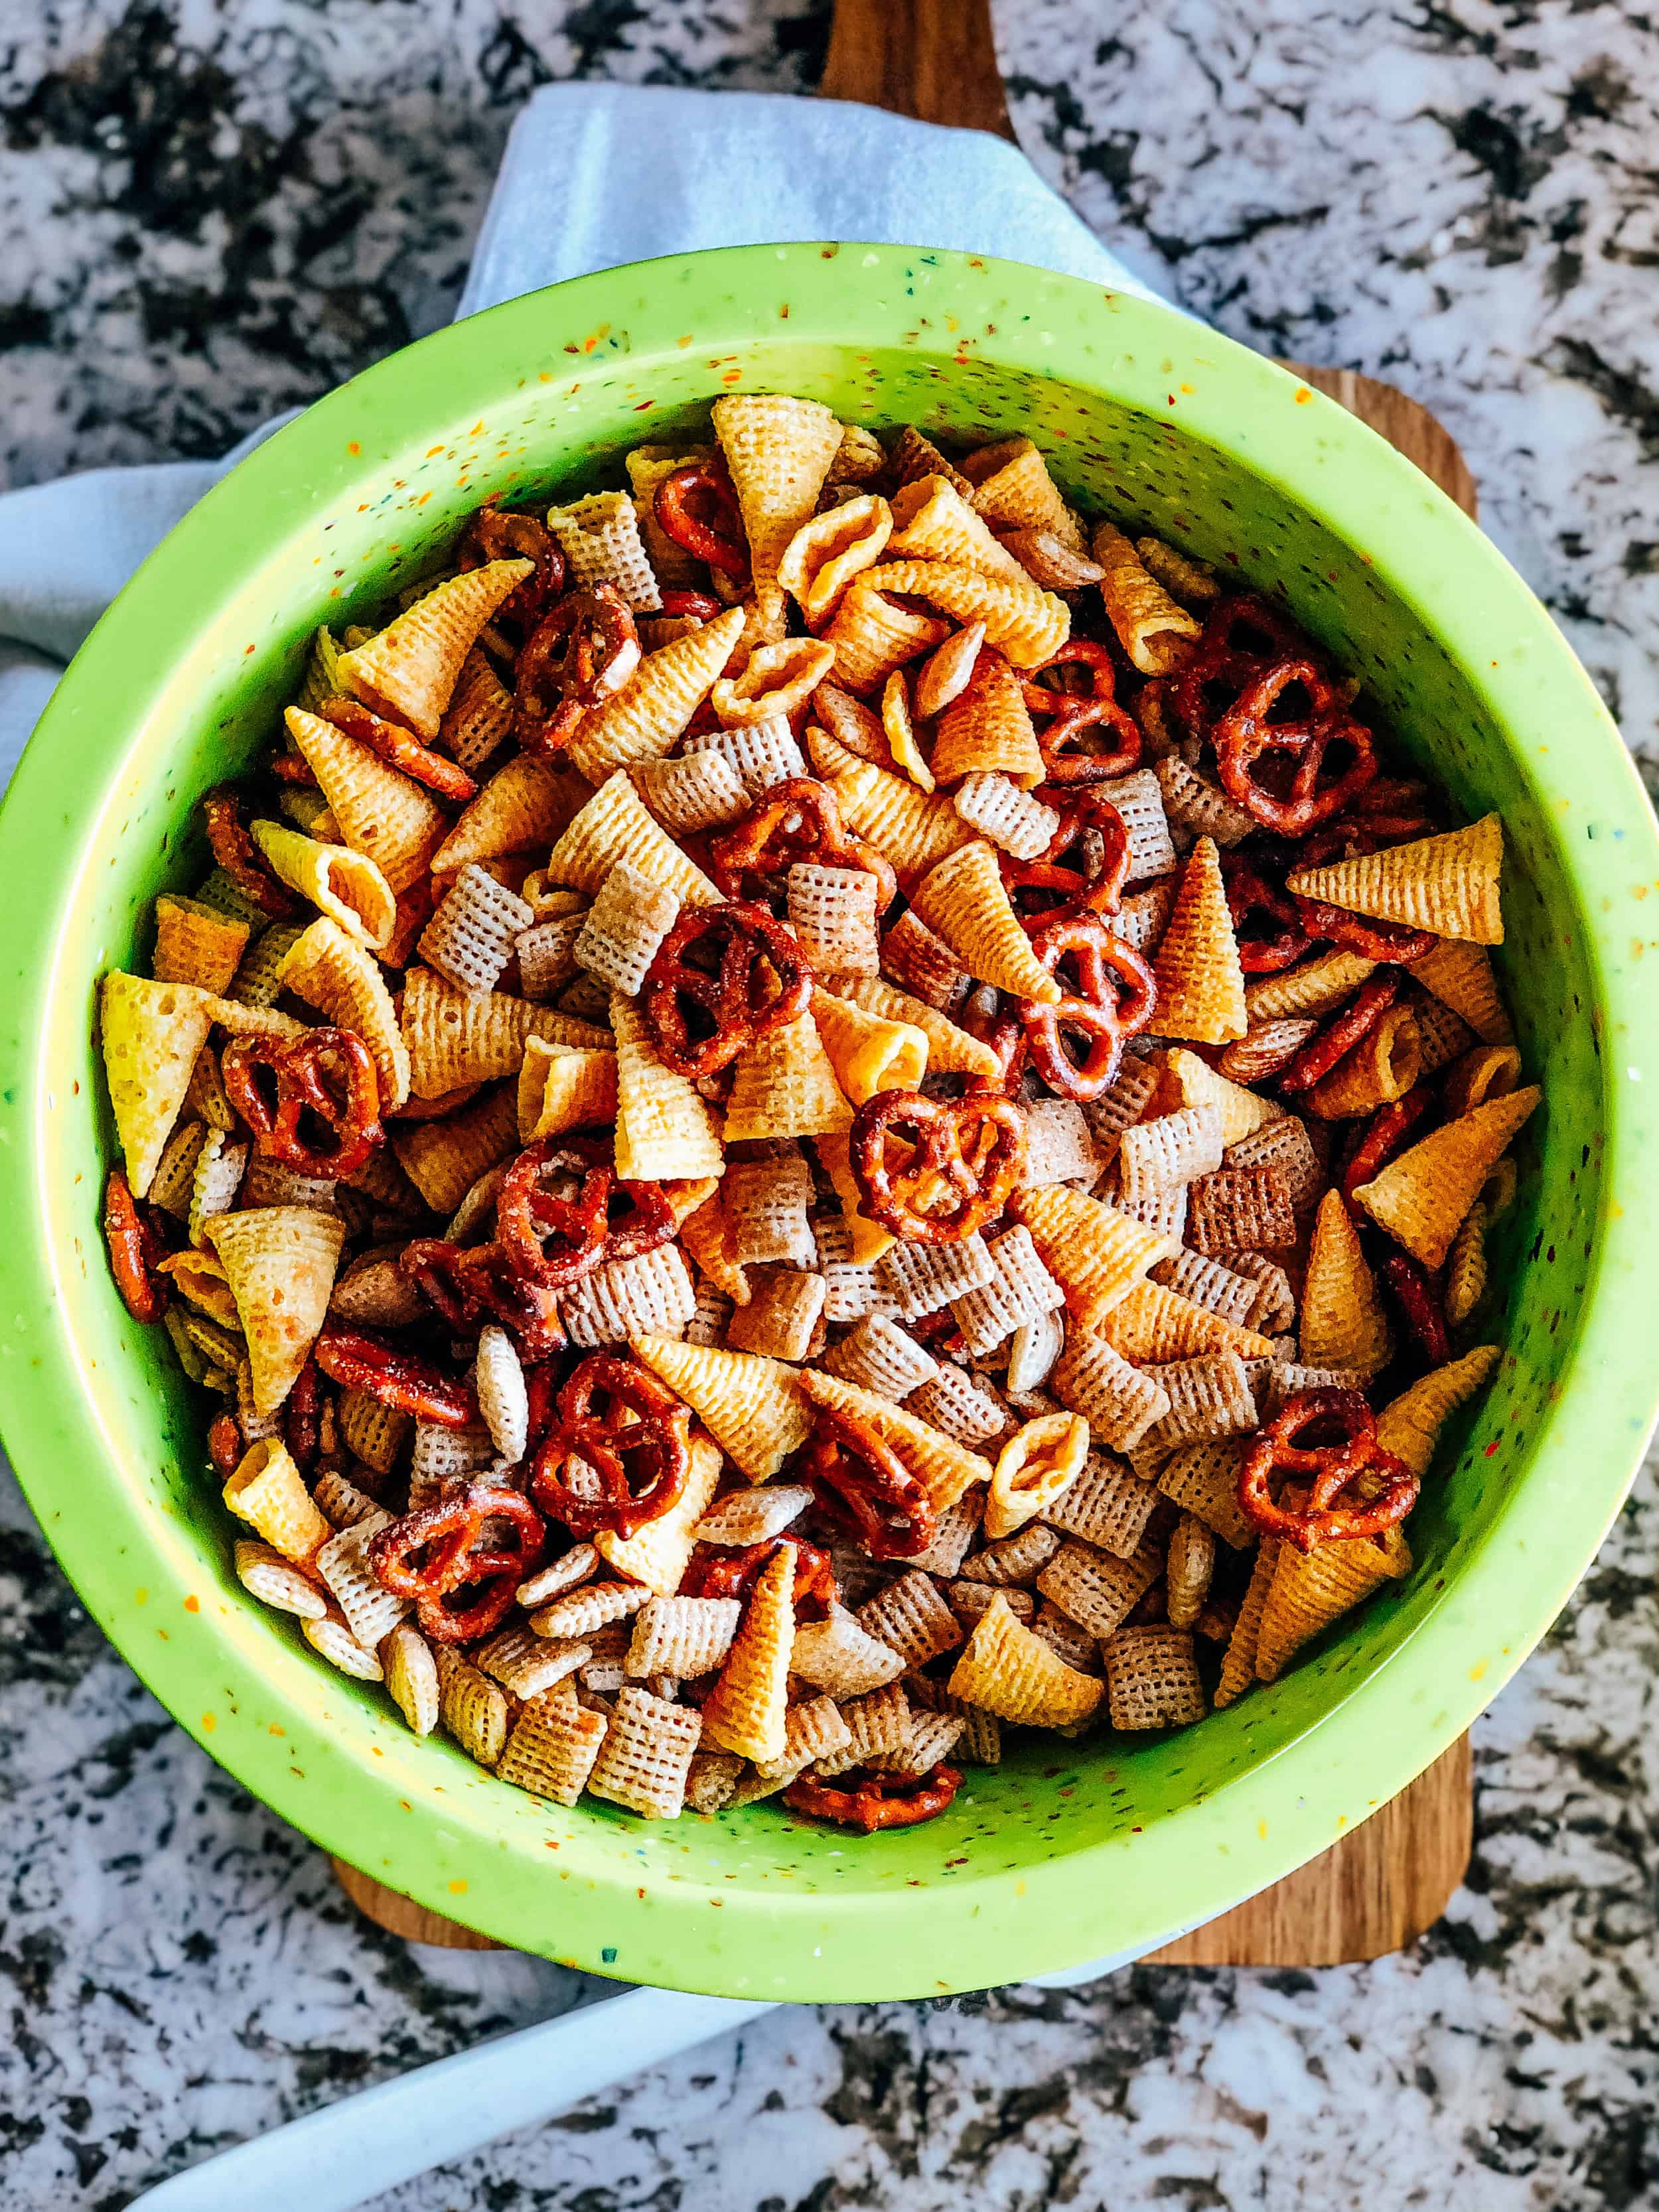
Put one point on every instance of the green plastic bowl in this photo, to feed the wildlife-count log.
(1064, 1853)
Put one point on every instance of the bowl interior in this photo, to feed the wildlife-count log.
(1066, 1852)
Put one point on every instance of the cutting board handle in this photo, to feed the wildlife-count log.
(934, 59)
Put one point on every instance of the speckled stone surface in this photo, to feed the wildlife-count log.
(213, 211)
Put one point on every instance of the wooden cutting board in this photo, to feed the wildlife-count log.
(1379, 1888)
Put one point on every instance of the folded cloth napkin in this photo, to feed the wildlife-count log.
(593, 175)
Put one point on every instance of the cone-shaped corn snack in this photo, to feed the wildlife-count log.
(745, 1711)
(381, 813)
(963, 899)
(151, 1034)
(1096, 1255)
(522, 809)
(1151, 627)
(913, 830)
(1200, 985)
(1409, 1425)
(653, 707)
(614, 826)
(987, 728)
(944, 1468)
(664, 1129)
(1421, 1197)
(279, 1262)
(331, 972)
(750, 1406)
(1342, 1324)
(408, 670)
(1447, 884)
(1006, 1670)
(1027, 623)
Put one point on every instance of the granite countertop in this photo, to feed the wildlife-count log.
(212, 211)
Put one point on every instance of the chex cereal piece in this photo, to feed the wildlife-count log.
(332, 1640)
(526, 1663)
(1288, 1381)
(954, 1530)
(880, 1356)
(579, 1612)
(504, 1399)
(605, 1666)
(1195, 806)
(1143, 917)
(411, 1677)
(625, 925)
(1005, 813)
(750, 1517)
(1284, 1143)
(911, 1618)
(1036, 1465)
(971, 1602)
(833, 912)
(1240, 1210)
(933, 1737)
(474, 1709)
(839, 1655)
(646, 1755)
(925, 1277)
(650, 1294)
(877, 1724)
(1008, 1671)
(265, 1574)
(682, 1636)
(1094, 1588)
(579, 1565)
(765, 1204)
(345, 1505)
(923, 964)
(711, 1317)
(762, 753)
(1171, 1149)
(1066, 1640)
(782, 1316)
(1187, 1568)
(1151, 1679)
(1032, 1351)
(746, 1710)
(1108, 1506)
(470, 938)
(547, 954)
(1118, 1401)
(1274, 1309)
(599, 537)
(1013, 1559)
(370, 1609)
(1139, 800)
(1163, 1208)
(704, 791)
(1020, 1290)
(1121, 1106)
(712, 1779)
(1231, 1297)
(555, 1742)
(373, 1433)
(1060, 1146)
(441, 1453)
(1203, 1479)
(813, 1731)
(1209, 1397)
(953, 1402)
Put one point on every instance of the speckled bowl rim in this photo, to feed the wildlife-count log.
(982, 1929)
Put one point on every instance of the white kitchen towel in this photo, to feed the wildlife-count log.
(593, 175)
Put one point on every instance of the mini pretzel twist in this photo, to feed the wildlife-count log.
(741, 972)
(1072, 712)
(971, 1149)
(640, 1435)
(1319, 1518)
(327, 1074)
(862, 1486)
